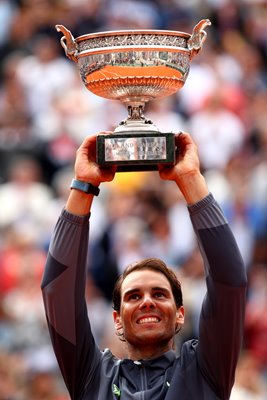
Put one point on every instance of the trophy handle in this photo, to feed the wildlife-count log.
(198, 37)
(68, 42)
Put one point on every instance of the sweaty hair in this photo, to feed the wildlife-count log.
(153, 264)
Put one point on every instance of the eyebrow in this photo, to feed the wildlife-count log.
(154, 289)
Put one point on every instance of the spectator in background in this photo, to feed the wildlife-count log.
(218, 132)
(250, 384)
(43, 73)
(256, 316)
(24, 196)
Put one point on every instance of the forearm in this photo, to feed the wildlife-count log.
(79, 203)
(193, 187)
(220, 252)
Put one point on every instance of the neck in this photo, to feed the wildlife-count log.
(148, 352)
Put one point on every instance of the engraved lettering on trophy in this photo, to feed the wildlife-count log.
(133, 148)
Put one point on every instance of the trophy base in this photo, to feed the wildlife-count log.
(136, 150)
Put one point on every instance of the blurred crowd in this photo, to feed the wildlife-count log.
(45, 112)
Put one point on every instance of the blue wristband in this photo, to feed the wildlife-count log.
(84, 187)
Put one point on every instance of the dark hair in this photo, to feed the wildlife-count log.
(154, 264)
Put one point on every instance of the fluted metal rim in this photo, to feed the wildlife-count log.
(162, 86)
(132, 32)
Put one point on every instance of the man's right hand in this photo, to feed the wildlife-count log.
(86, 169)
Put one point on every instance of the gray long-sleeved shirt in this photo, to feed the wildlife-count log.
(205, 368)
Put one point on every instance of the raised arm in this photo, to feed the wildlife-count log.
(222, 316)
(64, 279)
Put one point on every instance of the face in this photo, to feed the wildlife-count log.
(148, 313)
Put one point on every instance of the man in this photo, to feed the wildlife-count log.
(148, 308)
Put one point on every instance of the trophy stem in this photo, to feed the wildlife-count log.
(136, 112)
(136, 121)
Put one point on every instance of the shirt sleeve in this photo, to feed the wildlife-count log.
(222, 315)
(63, 287)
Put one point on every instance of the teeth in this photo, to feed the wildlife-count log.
(147, 320)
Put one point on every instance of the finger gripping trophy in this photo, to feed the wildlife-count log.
(134, 66)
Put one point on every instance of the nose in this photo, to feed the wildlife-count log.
(147, 302)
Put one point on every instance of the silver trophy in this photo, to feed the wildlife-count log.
(134, 66)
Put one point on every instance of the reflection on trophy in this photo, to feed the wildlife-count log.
(135, 66)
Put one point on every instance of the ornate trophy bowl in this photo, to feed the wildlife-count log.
(134, 67)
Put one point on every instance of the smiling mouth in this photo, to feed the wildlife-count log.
(147, 320)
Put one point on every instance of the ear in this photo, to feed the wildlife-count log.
(117, 320)
(118, 326)
(180, 316)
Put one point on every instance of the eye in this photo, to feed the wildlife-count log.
(159, 295)
(134, 296)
